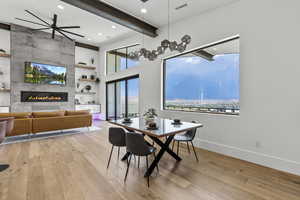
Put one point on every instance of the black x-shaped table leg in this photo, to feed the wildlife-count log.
(164, 148)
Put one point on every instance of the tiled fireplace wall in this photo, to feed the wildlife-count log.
(36, 46)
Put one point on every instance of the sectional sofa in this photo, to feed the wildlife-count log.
(35, 122)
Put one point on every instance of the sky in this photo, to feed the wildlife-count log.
(195, 78)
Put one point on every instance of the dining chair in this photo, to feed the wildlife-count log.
(187, 137)
(117, 137)
(3, 125)
(137, 146)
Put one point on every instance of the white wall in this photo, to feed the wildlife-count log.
(85, 55)
(5, 67)
(269, 81)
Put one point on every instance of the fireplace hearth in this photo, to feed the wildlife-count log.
(30, 96)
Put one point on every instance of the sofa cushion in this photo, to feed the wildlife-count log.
(48, 114)
(18, 115)
(77, 112)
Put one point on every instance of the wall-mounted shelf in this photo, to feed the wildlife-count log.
(85, 67)
(4, 90)
(4, 55)
(86, 93)
(87, 80)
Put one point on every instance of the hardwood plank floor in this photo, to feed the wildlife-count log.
(73, 167)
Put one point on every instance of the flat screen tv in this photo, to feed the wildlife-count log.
(38, 73)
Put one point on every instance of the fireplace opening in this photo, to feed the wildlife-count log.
(30, 96)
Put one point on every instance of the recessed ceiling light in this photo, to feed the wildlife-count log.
(88, 39)
(100, 34)
(144, 10)
(113, 26)
(61, 7)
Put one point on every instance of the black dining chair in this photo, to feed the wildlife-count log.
(137, 146)
(187, 137)
(117, 137)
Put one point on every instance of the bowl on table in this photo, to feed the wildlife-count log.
(176, 122)
(126, 120)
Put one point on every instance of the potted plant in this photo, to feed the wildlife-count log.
(150, 115)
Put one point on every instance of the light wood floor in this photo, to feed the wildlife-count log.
(74, 168)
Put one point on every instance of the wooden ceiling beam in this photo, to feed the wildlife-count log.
(113, 14)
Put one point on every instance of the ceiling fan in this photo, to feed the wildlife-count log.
(53, 26)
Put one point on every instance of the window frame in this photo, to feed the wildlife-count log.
(184, 53)
(115, 58)
(115, 81)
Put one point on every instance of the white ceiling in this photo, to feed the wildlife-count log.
(157, 14)
(91, 24)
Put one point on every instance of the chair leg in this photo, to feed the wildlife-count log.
(177, 148)
(138, 161)
(188, 147)
(154, 154)
(128, 165)
(118, 153)
(147, 168)
(173, 145)
(111, 151)
(194, 151)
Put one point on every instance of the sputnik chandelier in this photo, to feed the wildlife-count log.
(165, 44)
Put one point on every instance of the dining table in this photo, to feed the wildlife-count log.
(163, 134)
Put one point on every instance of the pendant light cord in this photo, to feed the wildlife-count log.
(169, 20)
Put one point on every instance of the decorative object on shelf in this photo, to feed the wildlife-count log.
(2, 51)
(97, 80)
(150, 115)
(2, 86)
(165, 44)
(82, 63)
(92, 77)
(82, 90)
(84, 76)
(1, 73)
(77, 101)
(77, 85)
(93, 102)
(88, 88)
(92, 60)
(45, 26)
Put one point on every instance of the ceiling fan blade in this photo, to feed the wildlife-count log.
(40, 29)
(72, 33)
(37, 17)
(67, 27)
(64, 35)
(24, 20)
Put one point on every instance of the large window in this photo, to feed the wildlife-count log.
(204, 80)
(118, 59)
(122, 98)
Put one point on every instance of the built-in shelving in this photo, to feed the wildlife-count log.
(4, 90)
(85, 67)
(5, 55)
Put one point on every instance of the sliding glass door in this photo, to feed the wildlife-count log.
(122, 98)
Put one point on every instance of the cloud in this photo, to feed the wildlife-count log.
(193, 60)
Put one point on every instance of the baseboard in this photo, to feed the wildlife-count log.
(251, 156)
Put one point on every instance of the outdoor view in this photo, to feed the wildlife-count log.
(44, 74)
(205, 80)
